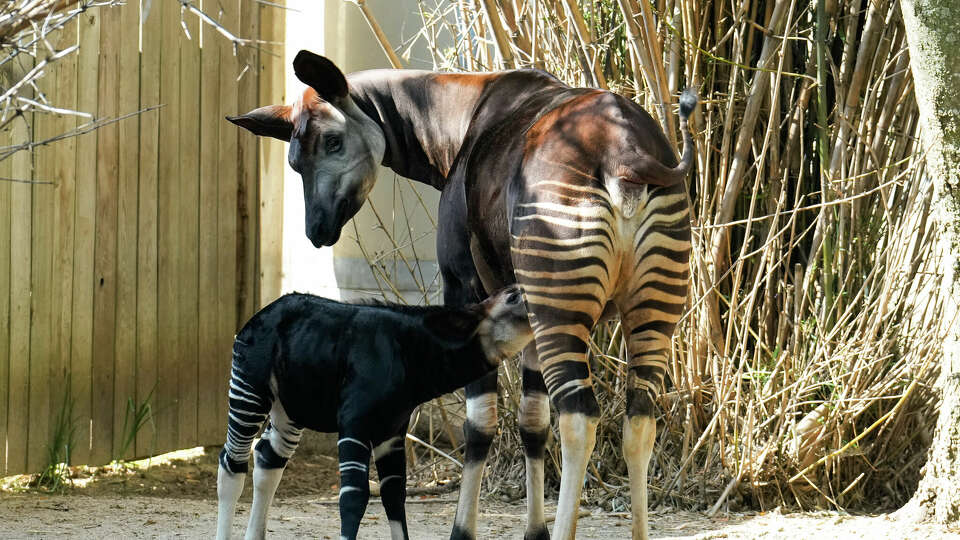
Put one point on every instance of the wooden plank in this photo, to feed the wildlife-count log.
(42, 347)
(248, 197)
(227, 178)
(129, 153)
(189, 156)
(42, 344)
(147, 380)
(21, 197)
(64, 174)
(81, 353)
(168, 198)
(105, 238)
(6, 171)
(272, 158)
(209, 400)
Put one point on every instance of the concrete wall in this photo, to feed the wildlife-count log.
(394, 227)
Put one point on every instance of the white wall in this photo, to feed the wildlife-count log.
(305, 268)
(338, 30)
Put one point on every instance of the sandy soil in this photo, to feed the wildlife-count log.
(177, 499)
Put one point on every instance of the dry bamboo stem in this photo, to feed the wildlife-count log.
(589, 48)
(499, 34)
(378, 33)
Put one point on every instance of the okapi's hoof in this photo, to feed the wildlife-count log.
(459, 533)
(538, 533)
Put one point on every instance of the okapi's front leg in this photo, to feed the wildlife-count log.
(534, 427)
(478, 431)
(460, 284)
(354, 454)
(391, 460)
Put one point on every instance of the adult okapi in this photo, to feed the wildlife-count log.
(573, 193)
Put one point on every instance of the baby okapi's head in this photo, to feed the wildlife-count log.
(498, 325)
(505, 329)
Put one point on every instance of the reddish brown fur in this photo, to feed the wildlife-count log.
(595, 132)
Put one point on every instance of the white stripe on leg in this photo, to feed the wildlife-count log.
(535, 418)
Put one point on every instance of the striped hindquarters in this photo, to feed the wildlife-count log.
(573, 251)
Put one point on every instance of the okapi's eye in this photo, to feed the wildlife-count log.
(332, 143)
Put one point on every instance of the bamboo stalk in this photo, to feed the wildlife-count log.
(499, 34)
(378, 33)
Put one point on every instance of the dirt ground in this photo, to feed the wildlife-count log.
(175, 497)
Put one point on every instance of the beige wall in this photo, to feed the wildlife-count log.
(338, 30)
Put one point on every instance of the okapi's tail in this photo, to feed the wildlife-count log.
(688, 102)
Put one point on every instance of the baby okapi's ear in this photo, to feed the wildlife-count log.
(321, 74)
(455, 325)
(270, 121)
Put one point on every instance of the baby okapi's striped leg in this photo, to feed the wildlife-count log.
(248, 411)
(534, 427)
(277, 444)
(354, 453)
(391, 460)
(478, 431)
(650, 311)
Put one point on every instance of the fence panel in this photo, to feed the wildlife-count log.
(123, 281)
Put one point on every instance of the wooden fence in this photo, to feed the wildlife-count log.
(124, 281)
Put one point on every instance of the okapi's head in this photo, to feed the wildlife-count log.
(333, 145)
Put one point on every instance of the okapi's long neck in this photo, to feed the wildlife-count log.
(424, 117)
(440, 368)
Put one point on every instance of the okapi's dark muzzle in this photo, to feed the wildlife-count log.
(324, 225)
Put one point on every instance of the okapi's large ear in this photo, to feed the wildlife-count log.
(456, 325)
(270, 121)
(321, 74)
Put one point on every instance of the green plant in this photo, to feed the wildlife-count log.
(55, 475)
(137, 415)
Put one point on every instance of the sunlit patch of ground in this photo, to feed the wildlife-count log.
(174, 496)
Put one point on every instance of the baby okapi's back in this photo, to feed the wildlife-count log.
(316, 351)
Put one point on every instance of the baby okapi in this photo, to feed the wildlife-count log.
(358, 370)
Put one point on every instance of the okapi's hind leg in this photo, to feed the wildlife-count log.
(648, 347)
(650, 310)
(247, 413)
(277, 444)
(534, 427)
(562, 338)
